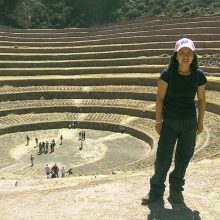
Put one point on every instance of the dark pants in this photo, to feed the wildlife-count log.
(184, 133)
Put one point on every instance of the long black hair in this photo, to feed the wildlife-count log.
(174, 63)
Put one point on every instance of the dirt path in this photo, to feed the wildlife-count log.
(111, 197)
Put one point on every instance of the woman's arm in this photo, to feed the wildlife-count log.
(201, 107)
(161, 92)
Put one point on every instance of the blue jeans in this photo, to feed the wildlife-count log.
(184, 133)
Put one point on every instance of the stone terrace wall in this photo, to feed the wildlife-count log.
(121, 61)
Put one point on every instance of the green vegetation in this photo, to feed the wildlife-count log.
(86, 13)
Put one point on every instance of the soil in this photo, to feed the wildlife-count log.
(111, 197)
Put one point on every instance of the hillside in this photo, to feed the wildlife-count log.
(87, 13)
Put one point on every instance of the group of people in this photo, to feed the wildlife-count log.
(82, 137)
(44, 147)
(37, 141)
(73, 125)
(54, 171)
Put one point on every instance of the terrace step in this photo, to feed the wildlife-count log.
(112, 37)
(87, 63)
(156, 60)
(126, 103)
(128, 108)
(143, 32)
(94, 70)
(163, 21)
(119, 106)
(55, 103)
(80, 80)
(151, 45)
(77, 32)
(86, 89)
(126, 38)
(113, 40)
(62, 92)
(85, 70)
(100, 55)
(136, 79)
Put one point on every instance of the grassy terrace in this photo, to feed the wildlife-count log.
(105, 79)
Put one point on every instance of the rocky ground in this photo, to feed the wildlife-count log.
(111, 197)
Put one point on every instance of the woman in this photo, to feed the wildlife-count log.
(176, 120)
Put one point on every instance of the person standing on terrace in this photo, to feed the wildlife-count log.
(28, 140)
(47, 170)
(177, 121)
(32, 160)
(36, 140)
(61, 139)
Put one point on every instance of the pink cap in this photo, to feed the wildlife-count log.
(184, 42)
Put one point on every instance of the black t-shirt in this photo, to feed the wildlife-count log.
(179, 101)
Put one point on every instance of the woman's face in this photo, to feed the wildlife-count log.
(185, 56)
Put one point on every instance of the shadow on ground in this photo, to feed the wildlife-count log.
(177, 212)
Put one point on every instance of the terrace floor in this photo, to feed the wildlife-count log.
(103, 151)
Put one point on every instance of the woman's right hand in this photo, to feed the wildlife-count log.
(158, 127)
